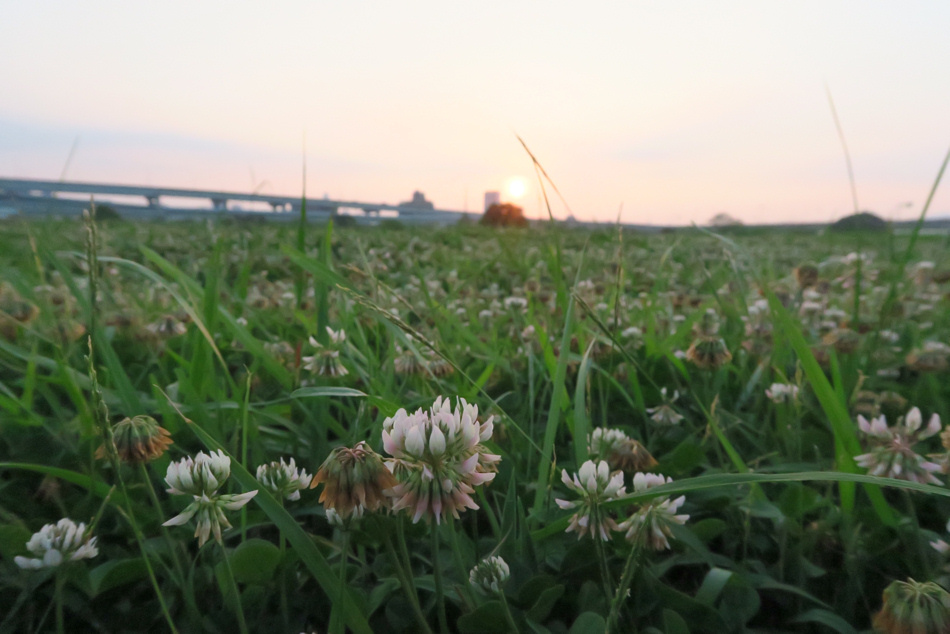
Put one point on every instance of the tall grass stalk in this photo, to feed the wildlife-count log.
(101, 412)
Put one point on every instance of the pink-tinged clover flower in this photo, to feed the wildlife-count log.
(653, 522)
(891, 449)
(594, 485)
(438, 458)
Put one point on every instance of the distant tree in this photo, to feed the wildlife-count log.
(722, 219)
(504, 215)
(862, 221)
(391, 224)
(106, 212)
(342, 221)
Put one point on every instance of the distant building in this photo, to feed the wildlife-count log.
(418, 202)
(492, 198)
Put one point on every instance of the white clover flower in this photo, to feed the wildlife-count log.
(438, 459)
(326, 360)
(594, 485)
(653, 521)
(782, 393)
(57, 543)
(664, 413)
(515, 302)
(202, 475)
(604, 441)
(490, 574)
(889, 336)
(283, 479)
(201, 478)
(209, 510)
(891, 448)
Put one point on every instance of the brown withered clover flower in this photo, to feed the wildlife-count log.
(355, 479)
(709, 353)
(619, 450)
(138, 439)
(910, 607)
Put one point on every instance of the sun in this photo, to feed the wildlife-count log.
(517, 187)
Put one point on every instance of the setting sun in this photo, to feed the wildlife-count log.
(517, 187)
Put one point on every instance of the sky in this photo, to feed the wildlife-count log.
(659, 112)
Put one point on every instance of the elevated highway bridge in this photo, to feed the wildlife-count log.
(62, 198)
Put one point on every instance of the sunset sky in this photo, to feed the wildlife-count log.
(673, 110)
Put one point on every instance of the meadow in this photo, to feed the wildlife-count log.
(472, 430)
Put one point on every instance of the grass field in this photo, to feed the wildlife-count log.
(746, 372)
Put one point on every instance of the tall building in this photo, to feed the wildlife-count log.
(492, 198)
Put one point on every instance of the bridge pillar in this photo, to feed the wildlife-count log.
(153, 201)
(219, 204)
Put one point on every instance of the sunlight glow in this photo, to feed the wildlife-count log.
(517, 187)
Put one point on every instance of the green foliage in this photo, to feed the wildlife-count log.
(786, 530)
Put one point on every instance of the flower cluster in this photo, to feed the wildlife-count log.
(138, 439)
(619, 450)
(910, 606)
(355, 479)
(490, 574)
(892, 448)
(283, 479)
(654, 520)
(200, 478)
(782, 393)
(438, 458)
(57, 543)
(594, 485)
(664, 414)
(326, 359)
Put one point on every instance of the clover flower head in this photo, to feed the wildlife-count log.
(654, 520)
(891, 449)
(355, 479)
(490, 574)
(167, 326)
(407, 362)
(619, 450)
(283, 479)
(593, 484)
(55, 544)
(138, 439)
(438, 458)
(664, 414)
(202, 475)
(782, 393)
(910, 607)
(325, 361)
(209, 511)
(708, 352)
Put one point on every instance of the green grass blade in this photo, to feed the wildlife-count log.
(847, 445)
(95, 486)
(581, 420)
(554, 413)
